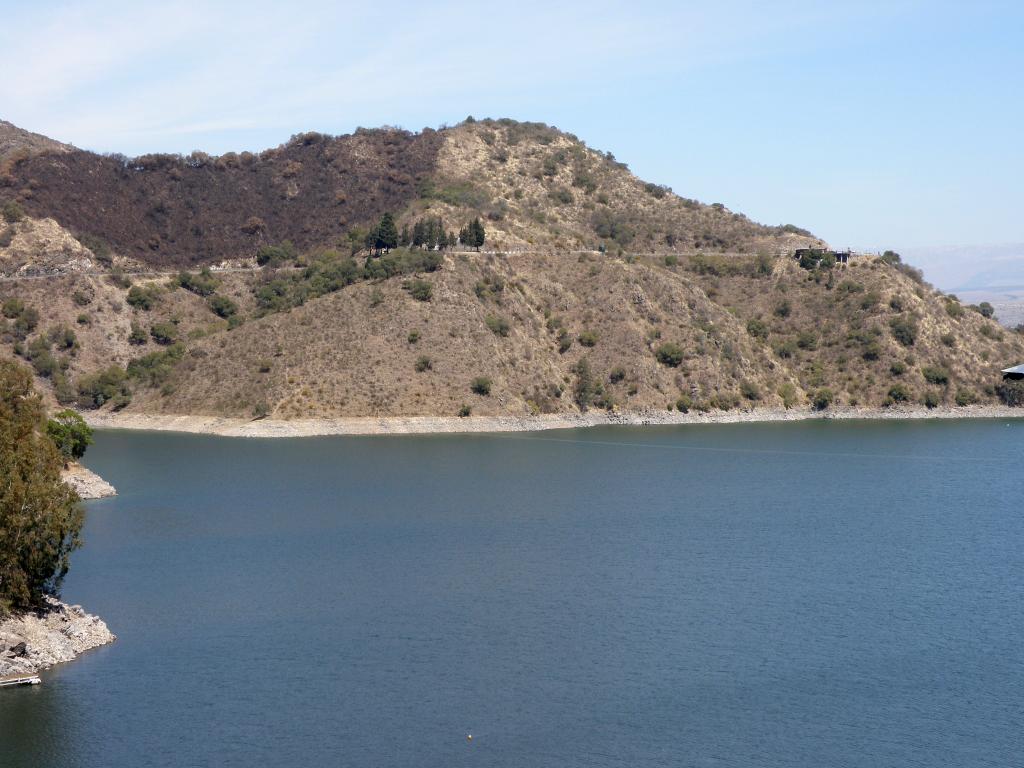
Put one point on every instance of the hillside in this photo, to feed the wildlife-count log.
(597, 290)
(536, 187)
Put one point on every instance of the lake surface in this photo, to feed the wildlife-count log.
(816, 594)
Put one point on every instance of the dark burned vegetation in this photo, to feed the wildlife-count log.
(169, 210)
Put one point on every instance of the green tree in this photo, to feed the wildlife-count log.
(386, 235)
(40, 517)
(473, 234)
(70, 434)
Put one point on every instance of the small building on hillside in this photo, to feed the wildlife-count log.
(1013, 374)
(817, 254)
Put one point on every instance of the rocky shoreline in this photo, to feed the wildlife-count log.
(87, 484)
(406, 425)
(38, 640)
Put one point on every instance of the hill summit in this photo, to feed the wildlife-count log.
(494, 268)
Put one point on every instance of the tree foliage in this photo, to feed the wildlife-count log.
(40, 518)
(69, 432)
(473, 234)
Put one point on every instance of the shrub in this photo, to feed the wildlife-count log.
(138, 334)
(222, 306)
(1011, 392)
(275, 255)
(904, 330)
(465, 411)
(783, 308)
(6, 236)
(899, 394)
(12, 212)
(788, 393)
(897, 368)
(684, 403)
(421, 290)
(757, 328)
(423, 363)
(481, 385)
(847, 287)
(13, 308)
(896, 303)
(671, 260)
(617, 374)
(588, 338)
(724, 401)
(786, 349)
(144, 298)
(155, 368)
(990, 333)
(498, 325)
(202, 284)
(750, 390)
(931, 400)
(560, 195)
(807, 340)
(935, 374)
(823, 398)
(81, 298)
(948, 339)
(669, 354)
(986, 309)
(413, 337)
(966, 397)
(955, 309)
(164, 333)
(870, 300)
(108, 385)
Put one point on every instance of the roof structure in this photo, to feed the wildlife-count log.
(1017, 370)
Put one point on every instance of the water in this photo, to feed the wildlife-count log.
(749, 595)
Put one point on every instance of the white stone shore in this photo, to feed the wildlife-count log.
(404, 425)
(87, 483)
(33, 641)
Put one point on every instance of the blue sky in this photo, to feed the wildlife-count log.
(872, 124)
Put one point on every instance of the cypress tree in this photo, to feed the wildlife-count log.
(387, 233)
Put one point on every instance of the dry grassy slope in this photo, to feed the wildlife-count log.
(543, 188)
(842, 320)
(340, 356)
(344, 355)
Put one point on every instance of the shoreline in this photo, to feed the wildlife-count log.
(32, 641)
(417, 425)
(87, 484)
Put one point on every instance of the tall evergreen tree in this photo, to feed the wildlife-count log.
(387, 233)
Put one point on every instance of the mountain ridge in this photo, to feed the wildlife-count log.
(594, 290)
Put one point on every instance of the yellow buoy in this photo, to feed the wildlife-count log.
(469, 737)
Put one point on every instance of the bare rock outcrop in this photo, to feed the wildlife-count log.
(87, 484)
(37, 640)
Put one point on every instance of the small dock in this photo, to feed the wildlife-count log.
(12, 680)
